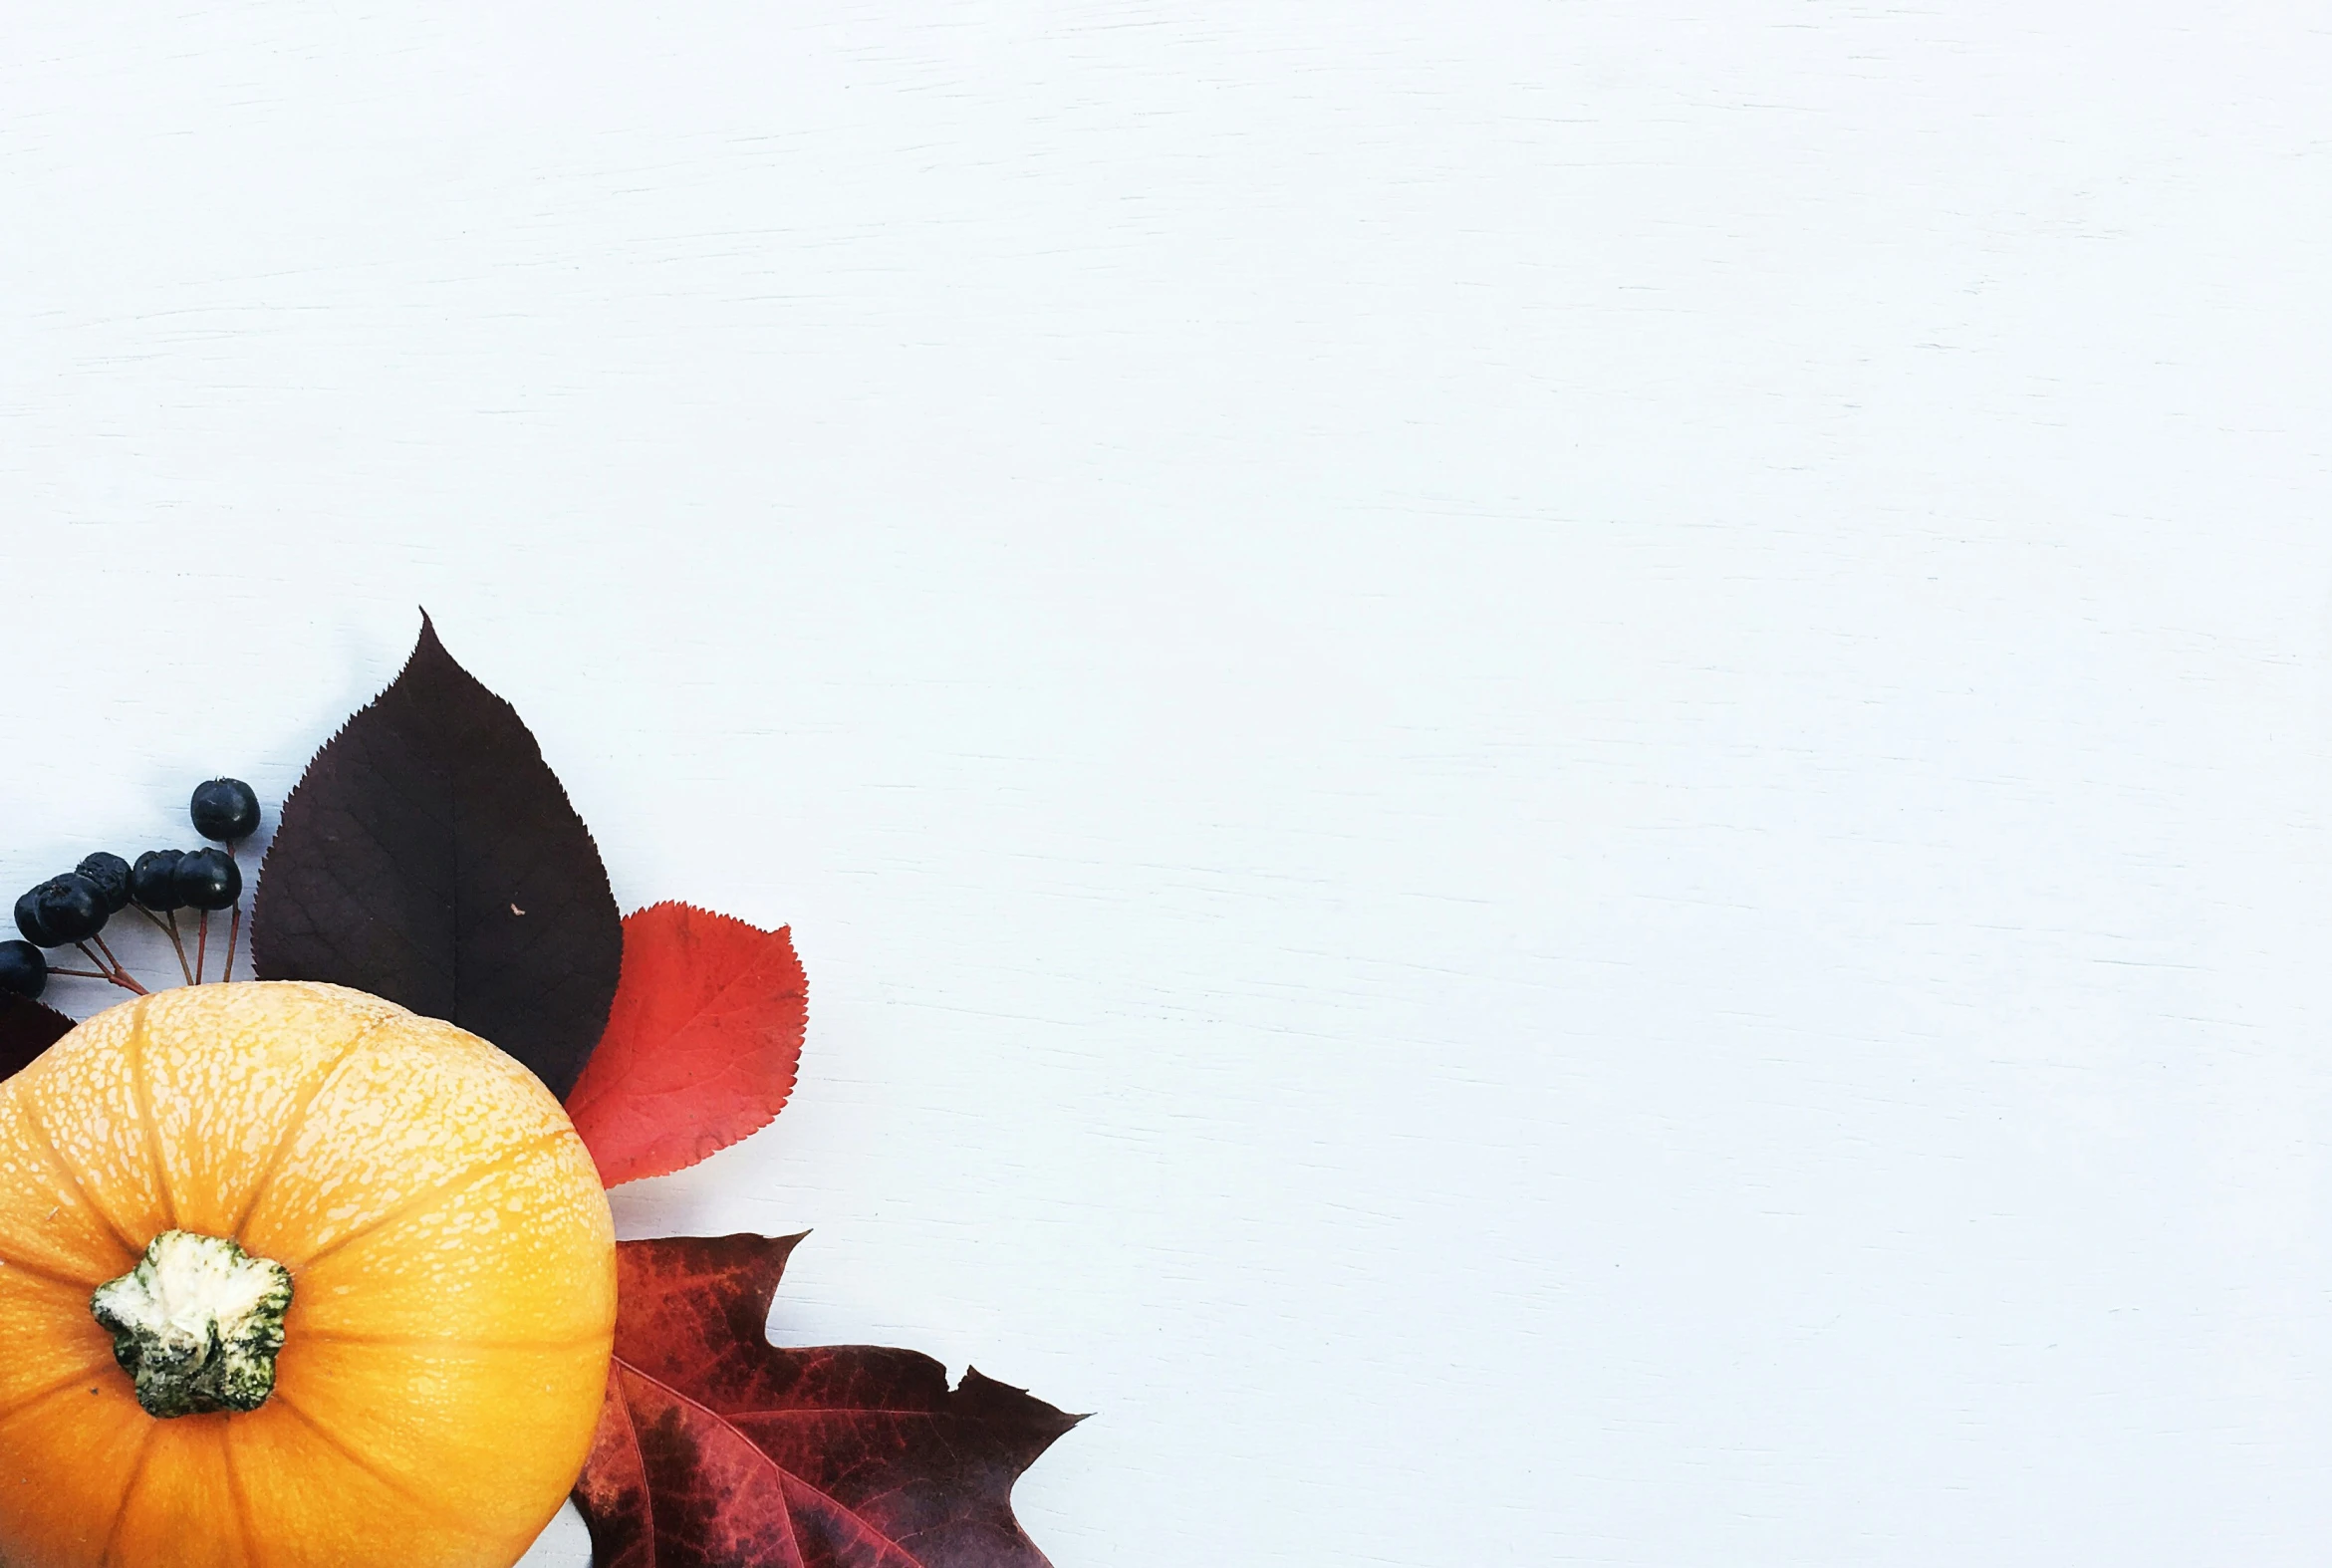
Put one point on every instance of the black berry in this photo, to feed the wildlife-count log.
(154, 881)
(225, 810)
(109, 875)
(67, 908)
(22, 969)
(207, 879)
(29, 922)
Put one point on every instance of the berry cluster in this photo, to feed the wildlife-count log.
(72, 910)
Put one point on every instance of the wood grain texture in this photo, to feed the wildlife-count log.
(1555, 774)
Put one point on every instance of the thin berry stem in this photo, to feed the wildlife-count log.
(171, 930)
(80, 974)
(118, 975)
(201, 942)
(234, 932)
(118, 968)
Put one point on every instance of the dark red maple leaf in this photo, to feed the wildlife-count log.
(700, 1046)
(719, 1449)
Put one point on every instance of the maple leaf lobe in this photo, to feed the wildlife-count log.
(716, 1446)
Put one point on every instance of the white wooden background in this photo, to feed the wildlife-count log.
(1556, 775)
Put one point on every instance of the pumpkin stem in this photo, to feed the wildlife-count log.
(196, 1324)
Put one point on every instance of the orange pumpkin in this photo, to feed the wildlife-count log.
(178, 1159)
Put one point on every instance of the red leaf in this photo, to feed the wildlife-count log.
(716, 1449)
(701, 1043)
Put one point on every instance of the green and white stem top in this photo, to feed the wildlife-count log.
(196, 1324)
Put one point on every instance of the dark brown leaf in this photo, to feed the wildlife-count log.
(429, 855)
(27, 1028)
(716, 1449)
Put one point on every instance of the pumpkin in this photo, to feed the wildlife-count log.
(291, 1277)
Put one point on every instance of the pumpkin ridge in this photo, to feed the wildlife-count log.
(48, 1275)
(142, 1095)
(33, 1119)
(312, 1336)
(47, 1390)
(466, 1176)
(299, 1118)
(243, 1530)
(128, 1489)
(387, 1478)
